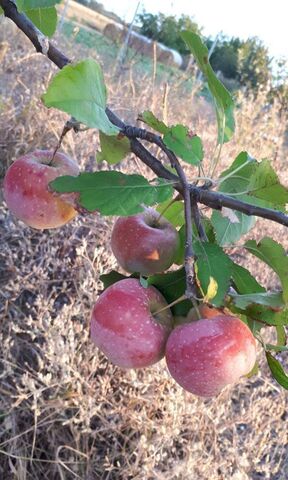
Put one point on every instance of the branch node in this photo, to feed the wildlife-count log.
(44, 44)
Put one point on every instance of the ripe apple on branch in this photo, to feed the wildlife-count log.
(146, 243)
(26, 189)
(205, 355)
(125, 324)
(132, 319)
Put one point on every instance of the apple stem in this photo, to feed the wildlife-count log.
(176, 199)
(197, 311)
(260, 339)
(151, 216)
(69, 125)
(50, 163)
(180, 299)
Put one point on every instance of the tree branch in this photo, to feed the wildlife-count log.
(141, 152)
(197, 219)
(218, 200)
(132, 132)
(189, 254)
(34, 35)
(211, 199)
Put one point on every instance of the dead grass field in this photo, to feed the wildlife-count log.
(65, 412)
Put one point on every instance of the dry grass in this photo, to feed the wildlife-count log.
(65, 413)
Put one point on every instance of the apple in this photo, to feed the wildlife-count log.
(144, 243)
(206, 355)
(27, 193)
(126, 327)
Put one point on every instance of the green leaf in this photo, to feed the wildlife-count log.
(40, 14)
(281, 336)
(275, 318)
(209, 230)
(228, 232)
(277, 370)
(179, 258)
(165, 189)
(32, 4)
(80, 91)
(223, 99)
(113, 148)
(254, 182)
(276, 348)
(264, 184)
(281, 340)
(183, 144)
(44, 18)
(234, 180)
(254, 326)
(153, 122)
(173, 212)
(213, 262)
(182, 237)
(112, 277)
(172, 285)
(244, 282)
(113, 193)
(273, 300)
(274, 255)
(266, 315)
(237, 177)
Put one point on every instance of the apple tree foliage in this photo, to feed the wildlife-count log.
(80, 91)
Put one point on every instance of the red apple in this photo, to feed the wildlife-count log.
(144, 243)
(206, 355)
(27, 194)
(126, 327)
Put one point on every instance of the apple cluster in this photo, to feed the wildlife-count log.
(132, 324)
(134, 327)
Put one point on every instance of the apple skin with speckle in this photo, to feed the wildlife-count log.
(206, 355)
(27, 194)
(145, 243)
(124, 325)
